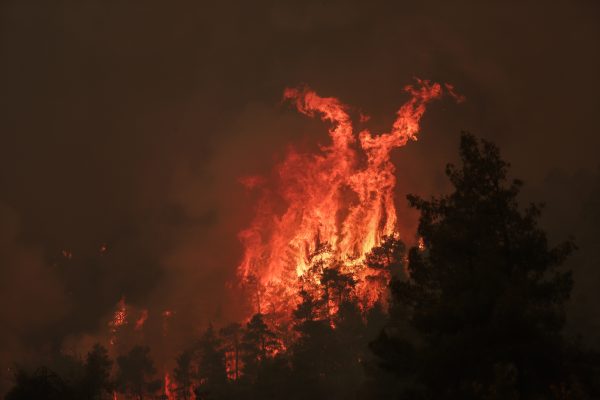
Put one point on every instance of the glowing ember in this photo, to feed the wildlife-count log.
(119, 319)
(168, 388)
(337, 204)
(166, 314)
(421, 244)
(103, 248)
(230, 365)
(139, 324)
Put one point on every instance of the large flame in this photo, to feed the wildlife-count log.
(341, 196)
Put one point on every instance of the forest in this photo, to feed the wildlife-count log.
(476, 310)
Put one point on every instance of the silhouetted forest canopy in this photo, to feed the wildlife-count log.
(475, 311)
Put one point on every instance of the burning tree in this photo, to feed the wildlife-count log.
(341, 197)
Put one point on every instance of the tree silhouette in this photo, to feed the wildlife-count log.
(231, 335)
(184, 374)
(485, 294)
(258, 341)
(41, 384)
(336, 286)
(135, 372)
(331, 344)
(312, 349)
(96, 373)
(211, 365)
(388, 256)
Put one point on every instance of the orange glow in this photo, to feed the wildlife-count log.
(421, 244)
(341, 199)
(168, 388)
(230, 365)
(139, 324)
(251, 182)
(166, 314)
(103, 248)
(119, 319)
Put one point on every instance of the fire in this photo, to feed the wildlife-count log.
(103, 249)
(139, 324)
(168, 388)
(68, 254)
(421, 244)
(339, 199)
(119, 319)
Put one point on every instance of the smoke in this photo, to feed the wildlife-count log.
(30, 292)
(130, 126)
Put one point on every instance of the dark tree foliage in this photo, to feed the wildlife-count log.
(211, 365)
(231, 335)
(484, 297)
(272, 382)
(389, 255)
(68, 378)
(313, 353)
(96, 381)
(183, 374)
(331, 344)
(336, 286)
(257, 343)
(136, 372)
(41, 384)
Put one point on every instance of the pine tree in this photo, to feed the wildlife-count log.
(96, 377)
(183, 374)
(211, 365)
(231, 335)
(485, 295)
(258, 342)
(135, 372)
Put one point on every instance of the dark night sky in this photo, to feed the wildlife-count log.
(128, 123)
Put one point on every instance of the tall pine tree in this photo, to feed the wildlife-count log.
(485, 295)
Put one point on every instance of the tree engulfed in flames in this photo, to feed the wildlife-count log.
(340, 199)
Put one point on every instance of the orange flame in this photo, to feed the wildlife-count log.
(168, 388)
(119, 319)
(342, 197)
